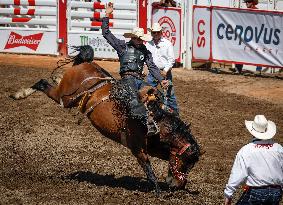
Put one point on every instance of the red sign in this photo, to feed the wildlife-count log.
(17, 40)
(170, 19)
(169, 31)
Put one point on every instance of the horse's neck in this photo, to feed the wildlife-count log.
(99, 71)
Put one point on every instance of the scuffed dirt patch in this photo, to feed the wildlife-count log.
(47, 158)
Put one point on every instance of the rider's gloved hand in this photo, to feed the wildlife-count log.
(164, 84)
(109, 9)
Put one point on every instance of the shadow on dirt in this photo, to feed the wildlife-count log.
(126, 182)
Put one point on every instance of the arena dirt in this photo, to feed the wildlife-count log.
(47, 158)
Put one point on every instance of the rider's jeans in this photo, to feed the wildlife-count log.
(169, 97)
(262, 196)
(137, 108)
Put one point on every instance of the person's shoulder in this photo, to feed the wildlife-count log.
(278, 146)
(166, 42)
(246, 148)
(144, 50)
(149, 43)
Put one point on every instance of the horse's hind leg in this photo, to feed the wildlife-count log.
(145, 164)
(44, 86)
(25, 92)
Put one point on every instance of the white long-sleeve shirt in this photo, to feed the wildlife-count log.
(259, 163)
(162, 53)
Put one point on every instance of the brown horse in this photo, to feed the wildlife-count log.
(87, 86)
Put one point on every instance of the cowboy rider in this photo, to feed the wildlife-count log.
(132, 56)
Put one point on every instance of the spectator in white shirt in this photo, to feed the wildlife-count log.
(163, 57)
(258, 165)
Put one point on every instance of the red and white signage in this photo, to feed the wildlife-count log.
(101, 47)
(201, 34)
(252, 37)
(37, 42)
(16, 40)
(170, 21)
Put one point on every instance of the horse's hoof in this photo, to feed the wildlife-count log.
(13, 96)
(157, 192)
(40, 85)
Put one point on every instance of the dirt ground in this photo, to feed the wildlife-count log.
(47, 158)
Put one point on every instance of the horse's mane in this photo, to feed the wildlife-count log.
(173, 123)
(102, 70)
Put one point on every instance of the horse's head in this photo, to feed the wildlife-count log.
(184, 154)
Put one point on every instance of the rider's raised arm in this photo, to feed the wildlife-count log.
(117, 44)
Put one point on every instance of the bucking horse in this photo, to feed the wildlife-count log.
(92, 90)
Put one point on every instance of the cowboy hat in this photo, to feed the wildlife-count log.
(260, 128)
(155, 27)
(138, 33)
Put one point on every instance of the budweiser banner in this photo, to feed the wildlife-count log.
(244, 36)
(37, 42)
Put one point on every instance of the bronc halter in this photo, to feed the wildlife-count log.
(174, 167)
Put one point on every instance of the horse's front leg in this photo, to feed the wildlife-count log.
(143, 160)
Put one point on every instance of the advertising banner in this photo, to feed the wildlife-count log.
(248, 36)
(252, 37)
(31, 42)
(201, 33)
(101, 48)
(170, 20)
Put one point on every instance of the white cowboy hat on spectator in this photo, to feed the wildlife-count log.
(138, 33)
(155, 28)
(261, 128)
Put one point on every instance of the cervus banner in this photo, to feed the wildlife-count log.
(238, 36)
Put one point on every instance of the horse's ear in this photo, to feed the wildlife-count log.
(188, 125)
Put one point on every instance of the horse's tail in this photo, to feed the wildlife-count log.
(85, 54)
(22, 93)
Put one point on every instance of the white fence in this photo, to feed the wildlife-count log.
(70, 22)
(84, 26)
(29, 26)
